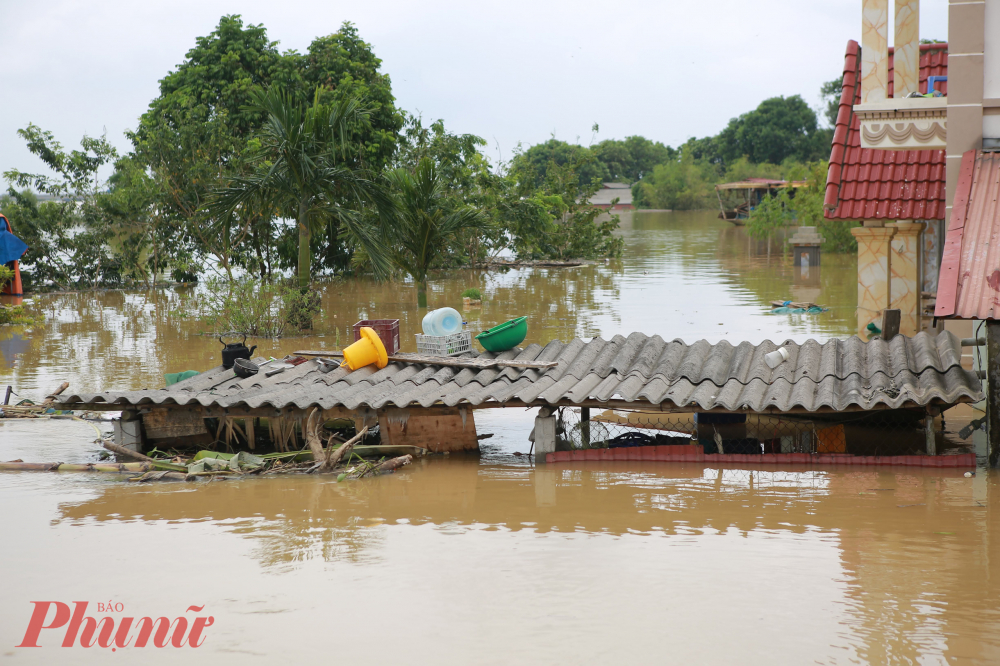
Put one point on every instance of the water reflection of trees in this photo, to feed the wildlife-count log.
(109, 338)
(833, 284)
(561, 303)
(918, 549)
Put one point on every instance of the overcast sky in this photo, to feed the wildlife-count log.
(508, 71)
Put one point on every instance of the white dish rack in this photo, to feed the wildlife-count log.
(444, 345)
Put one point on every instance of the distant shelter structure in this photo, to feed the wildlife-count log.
(738, 199)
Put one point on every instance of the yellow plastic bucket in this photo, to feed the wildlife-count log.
(369, 349)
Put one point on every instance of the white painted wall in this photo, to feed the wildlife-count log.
(991, 50)
(991, 68)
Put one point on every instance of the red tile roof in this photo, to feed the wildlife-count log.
(969, 282)
(863, 183)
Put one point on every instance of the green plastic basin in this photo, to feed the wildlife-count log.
(505, 336)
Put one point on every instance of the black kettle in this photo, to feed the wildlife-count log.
(233, 351)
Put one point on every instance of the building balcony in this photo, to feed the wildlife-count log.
(917, 123)
(893, 112)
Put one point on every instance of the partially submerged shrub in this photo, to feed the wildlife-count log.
(246, 305)
(249, 305)
(473, 294)
(301, 305)
(15, 315)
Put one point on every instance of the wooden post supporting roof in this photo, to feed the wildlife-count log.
(993, 389)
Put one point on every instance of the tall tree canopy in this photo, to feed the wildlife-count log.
(198, 133)
(630, 159)
(344, 65)
(537, 160)
(779, 128)
(300, 171)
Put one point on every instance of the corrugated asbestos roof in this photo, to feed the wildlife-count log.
(868, 184)
(969, 282)
(640, 369)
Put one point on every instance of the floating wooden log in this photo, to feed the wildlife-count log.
(122, 451)
(478, 363)
(394, 463)
(71, 467)
(51, 398)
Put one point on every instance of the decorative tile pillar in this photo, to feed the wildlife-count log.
(874, 274)
(906, 57)
(905, 283)
(874, 50)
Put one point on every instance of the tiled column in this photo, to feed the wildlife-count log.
(966, 44)
(874, 274)
(905, 283)
(906, 59)
(874, 50)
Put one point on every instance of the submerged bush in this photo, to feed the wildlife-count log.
(257, 308)
(473, 294)
(244, 305)
(300, 306)
(15, 315)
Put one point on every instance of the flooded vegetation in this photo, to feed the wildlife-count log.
(487, 558)
(684, 275)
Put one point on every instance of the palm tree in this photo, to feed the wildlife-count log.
(423, 222)
(301, 171)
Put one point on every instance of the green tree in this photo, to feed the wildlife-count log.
(743, 168)
(537, 161)
(300, 173)
(778, 128)
(196, 136)
(773, 213)
(465, 175)
(70, 243)
(344, 65)
(830, 93)
(424, 221)
(629, 160)
(555, 220)
(683, 184)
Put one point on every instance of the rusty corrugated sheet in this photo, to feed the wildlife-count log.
(969, 282)
(643, 370)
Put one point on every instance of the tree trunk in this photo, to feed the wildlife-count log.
(260, 255)
(305, 260)
(422, 293)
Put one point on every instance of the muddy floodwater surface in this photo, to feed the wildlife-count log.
(488, 559)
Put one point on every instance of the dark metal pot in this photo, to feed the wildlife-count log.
(245, 368)
(233, 351)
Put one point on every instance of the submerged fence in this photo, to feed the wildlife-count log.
(879, 433)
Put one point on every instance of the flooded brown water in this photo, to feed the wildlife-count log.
(488, 559)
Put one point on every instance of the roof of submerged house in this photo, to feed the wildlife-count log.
(864, 183)
(611, 191)
(640, 369)
(969, 283)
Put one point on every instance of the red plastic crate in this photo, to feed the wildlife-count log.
(387, 329)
